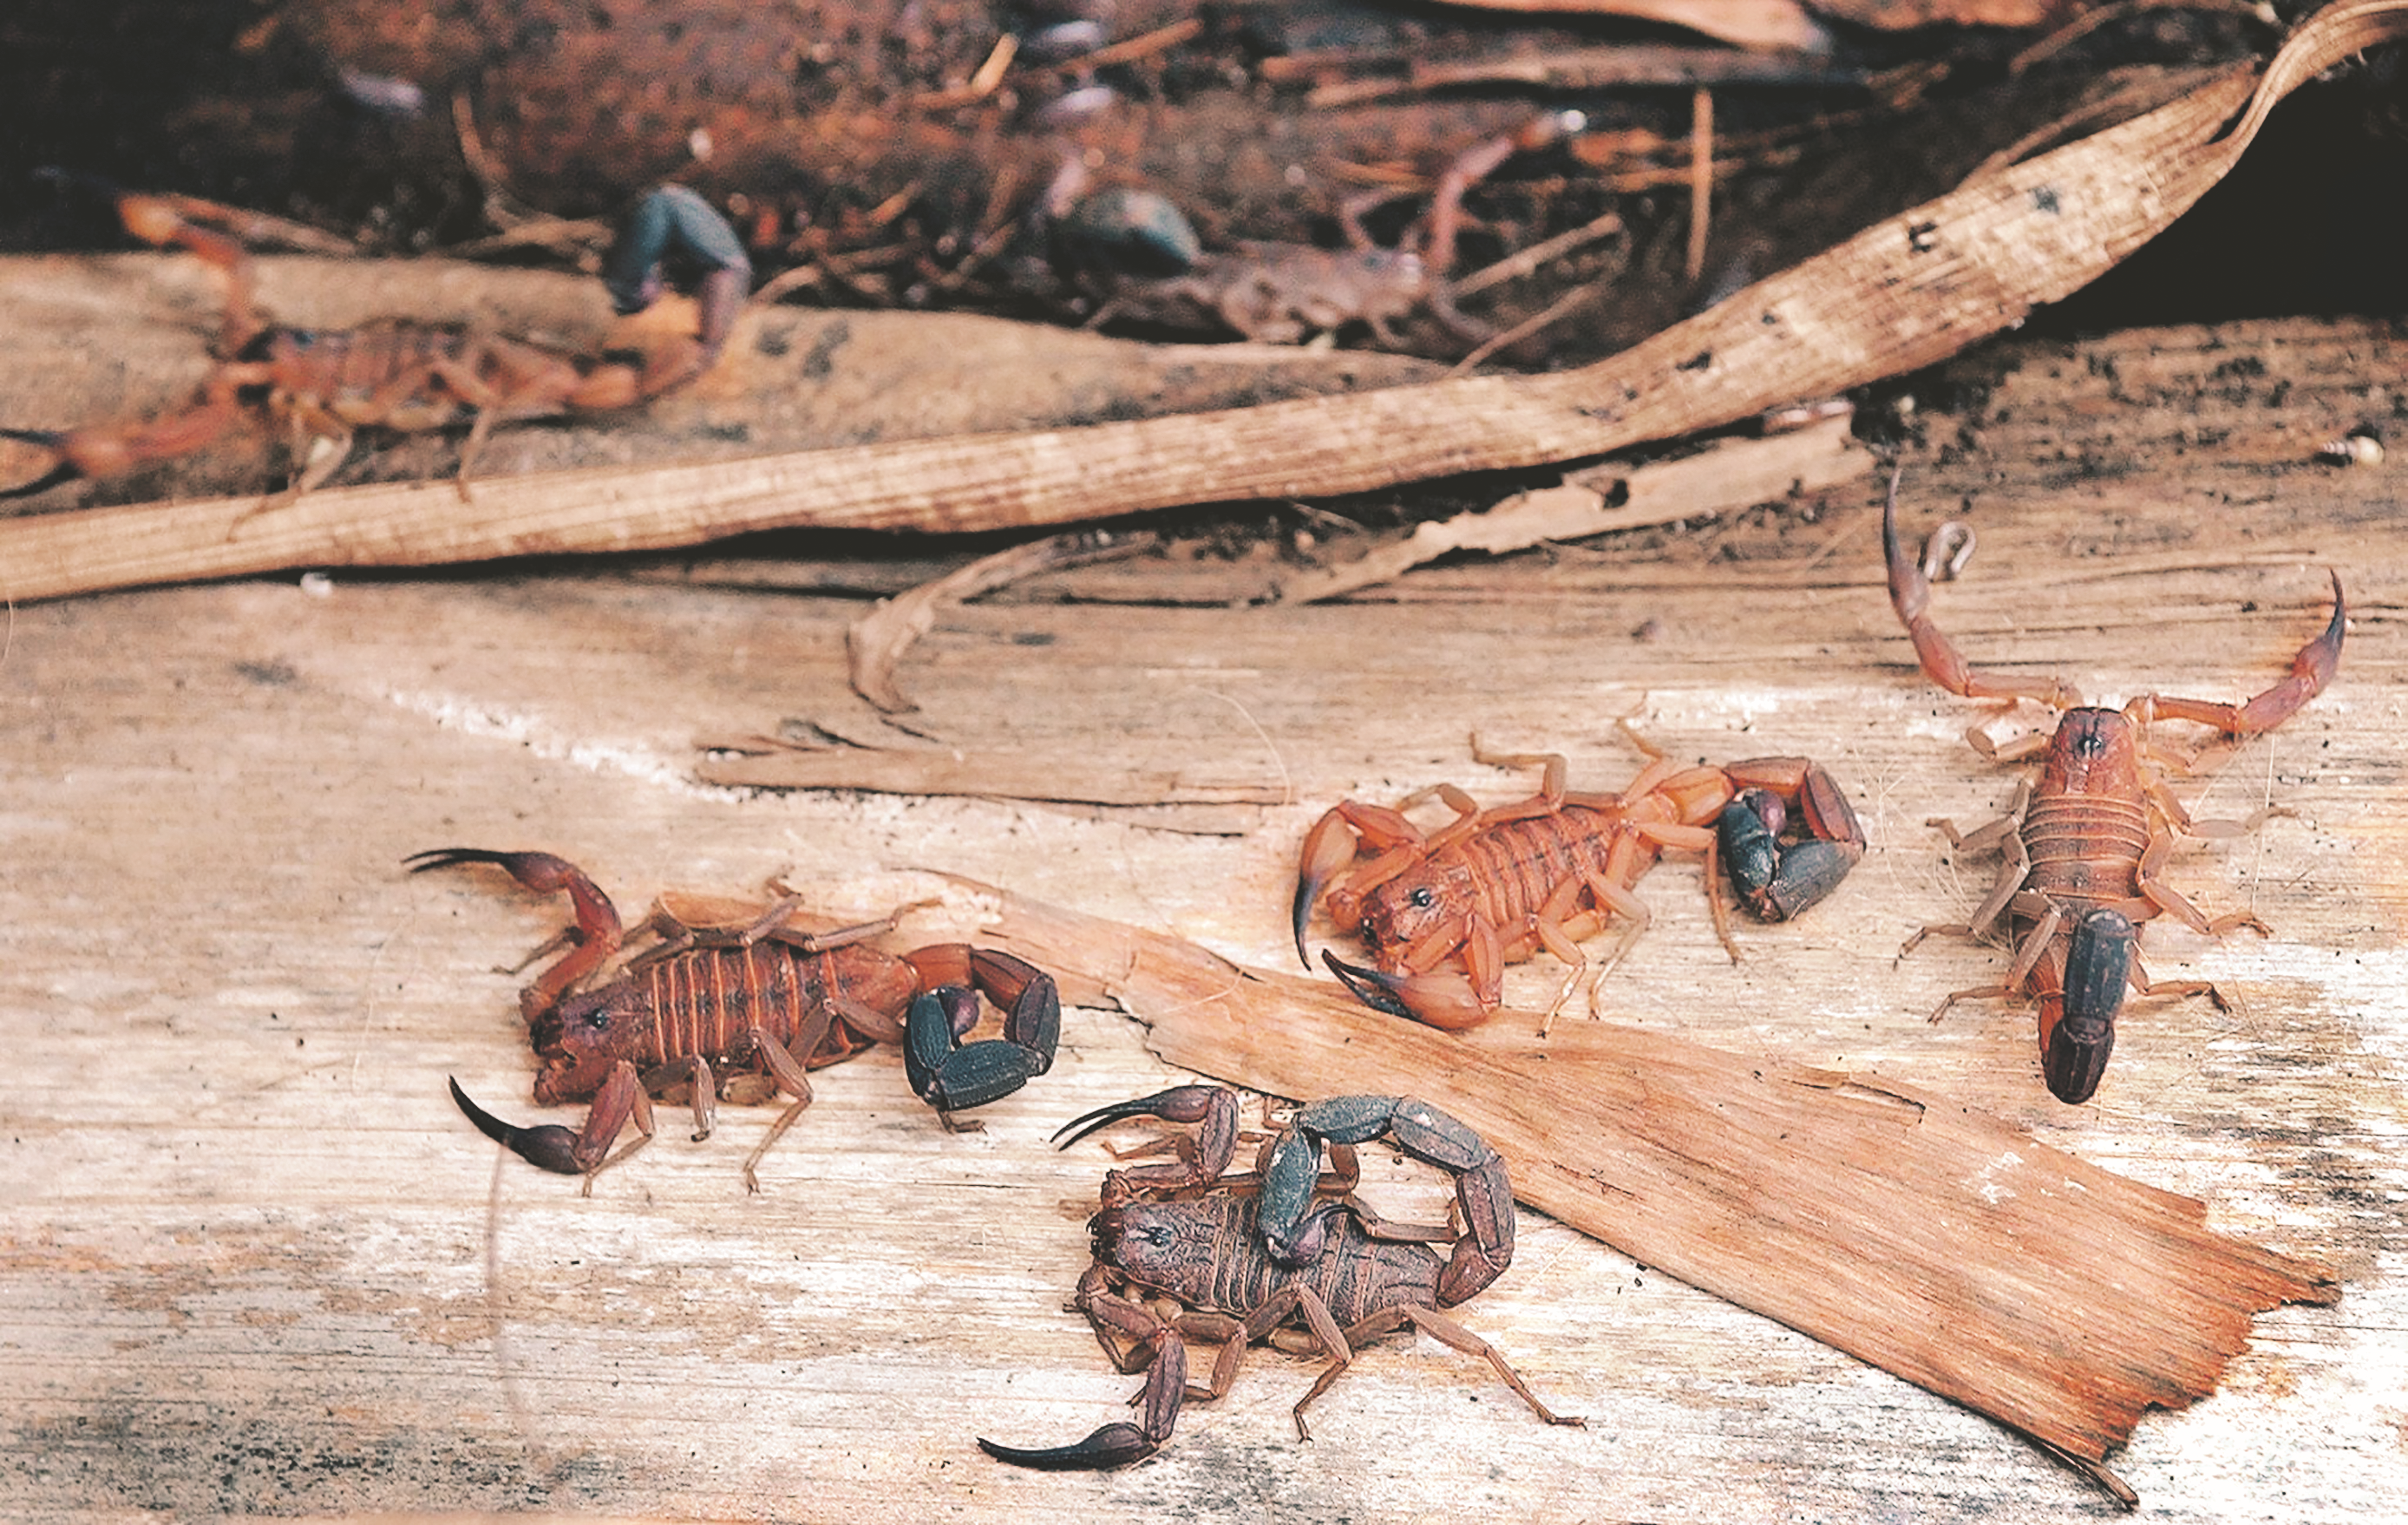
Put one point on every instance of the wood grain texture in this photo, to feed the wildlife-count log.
(251, 1261)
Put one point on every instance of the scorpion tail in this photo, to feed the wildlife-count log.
(550, 1148)
(1113, 1445)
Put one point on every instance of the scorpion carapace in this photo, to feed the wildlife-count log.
(322, 385)
(745, 1013)
(1444, 911)
(2084, 849)
(1245, 1258)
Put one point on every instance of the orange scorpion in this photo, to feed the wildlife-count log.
(322, 385)
(746, 1011)
(1444, 911)
(2084, 850)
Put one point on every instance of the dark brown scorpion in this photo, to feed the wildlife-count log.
(746, 1011)
(1242, 1267)
(2084, 850)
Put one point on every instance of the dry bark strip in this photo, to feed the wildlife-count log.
(1731, 475)
(1937, 1243)
(1905, 293)
(876, 642)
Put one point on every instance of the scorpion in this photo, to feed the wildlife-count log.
(1278, 293)
(322, 385)
(2083, 851)
(1245, 1258)
(745, 1013)
(1444, 911)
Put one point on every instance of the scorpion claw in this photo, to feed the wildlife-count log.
(551, 1148)
(1439, 998)
(1113, 1445)
(43, 483)
(1778, 880)
(2097, 962)
(673, 224)
(1372, 987)
(1178, 1104)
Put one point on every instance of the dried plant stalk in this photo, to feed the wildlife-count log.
(1734, 474)
(1906, 292)
(1936, 1242)
(875, 644)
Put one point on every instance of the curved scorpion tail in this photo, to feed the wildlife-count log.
(673, 228)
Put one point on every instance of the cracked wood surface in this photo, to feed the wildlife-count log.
(256, 1263)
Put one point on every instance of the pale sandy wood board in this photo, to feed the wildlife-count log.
(255, 1263)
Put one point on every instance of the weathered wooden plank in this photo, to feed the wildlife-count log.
(251, 1260)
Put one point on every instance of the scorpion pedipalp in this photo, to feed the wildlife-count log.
(1442, 1000)
(2098, 966)
(1778, 880)
(550, 1147)
(1113, 1445)
(1295, 1233)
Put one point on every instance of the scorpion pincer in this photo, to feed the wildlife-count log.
(1444, 911)
(322, 385)
(746, 1011)
(1248, 1256)
(2083, 850)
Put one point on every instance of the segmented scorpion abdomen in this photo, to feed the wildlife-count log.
(706, 1001)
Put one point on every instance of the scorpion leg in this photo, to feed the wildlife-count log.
(1441, 1328)
(787, 1065)
(598, 930)
(951, 1076)
(2311, 670)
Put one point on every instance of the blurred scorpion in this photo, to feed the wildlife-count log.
(406, 375)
